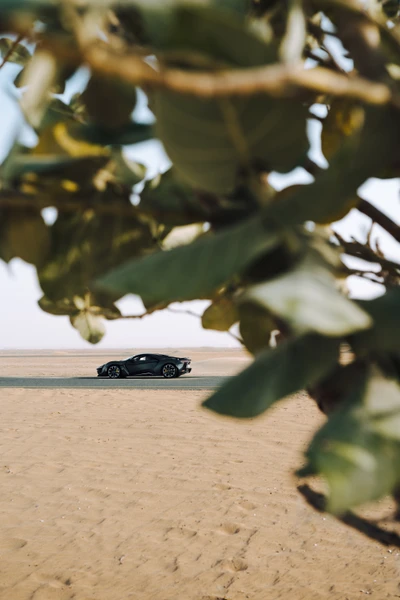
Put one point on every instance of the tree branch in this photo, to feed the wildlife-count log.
(362, 251)
(380, 218)
(276, 80)
(193, 314)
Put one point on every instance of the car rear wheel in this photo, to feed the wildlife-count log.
(114, 372)
(169, 371)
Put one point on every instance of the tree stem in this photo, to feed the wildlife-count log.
(380, 218)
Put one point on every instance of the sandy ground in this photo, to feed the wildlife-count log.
(108, 495)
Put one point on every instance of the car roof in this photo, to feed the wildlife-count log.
(154, 354)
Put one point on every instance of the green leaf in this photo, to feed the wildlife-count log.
(166, 276)
(19, 55)
(85, 245)
(275, 374)
(132, 133)
(109, 103)
(201, 135)
(49, 164)
(384, 335)
(205, 30)
(124, 170)
(256, 326)
(91, 327)
(56, 112)
(170, 201)
(21, 5)
(306, 298)
(362, 155)
(358, 449)
(61, 308)
(24, 235)
(220, 315)
(332, 391)
(344, 118)
(197, 135)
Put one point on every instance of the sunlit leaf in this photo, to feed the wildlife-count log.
(125, 171)
(50, 164)
(61, 308)
(91, 327)
(201, 136)
(344, 118)
(306, 298)
(17, 54)
(220, 315)
(181, 236)
(75, 147)
(274, 375)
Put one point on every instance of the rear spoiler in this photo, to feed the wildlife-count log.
(184, 358)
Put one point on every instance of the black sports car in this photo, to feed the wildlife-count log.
(146, 364)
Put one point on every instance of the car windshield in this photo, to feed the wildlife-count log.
(129, 357)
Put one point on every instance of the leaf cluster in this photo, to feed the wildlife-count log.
(232, 86)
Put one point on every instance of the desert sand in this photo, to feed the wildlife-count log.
(117, 494)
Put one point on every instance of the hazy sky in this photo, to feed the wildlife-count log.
(24, 325)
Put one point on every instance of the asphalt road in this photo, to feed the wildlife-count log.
(185, 382)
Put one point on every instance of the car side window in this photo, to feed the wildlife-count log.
(142, 358)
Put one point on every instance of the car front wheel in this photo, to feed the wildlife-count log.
(169, 371)
(114, 372)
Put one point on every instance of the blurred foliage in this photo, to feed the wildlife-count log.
(232, 85)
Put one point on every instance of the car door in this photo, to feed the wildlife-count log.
(148, 363)
(144, 363)
(133, 365)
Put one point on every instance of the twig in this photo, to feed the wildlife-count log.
(146, 314)
(369, 235)
(374, 277)
(333, 61)
(319, 32)
(362, 251)
(193, 314)
(11, 50)
(183, 312)
(380, 218)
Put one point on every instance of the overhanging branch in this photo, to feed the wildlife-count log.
(276, 80)
(380, 219)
